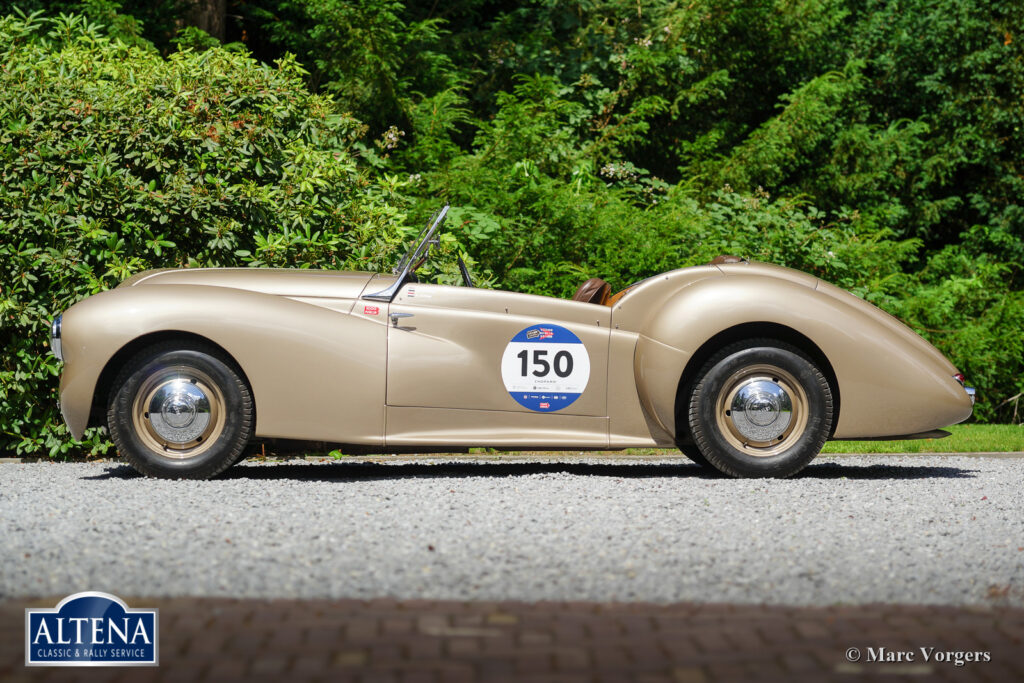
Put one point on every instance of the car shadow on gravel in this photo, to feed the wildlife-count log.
(370, 471)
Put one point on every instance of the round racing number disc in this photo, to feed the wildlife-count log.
(545, 367)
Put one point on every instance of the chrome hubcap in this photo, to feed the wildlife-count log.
(761, 410)
(179, 411)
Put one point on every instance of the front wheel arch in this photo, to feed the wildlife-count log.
(740, 333)
(180, 410)
(98, 409)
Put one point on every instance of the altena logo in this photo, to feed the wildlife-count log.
(91, 629)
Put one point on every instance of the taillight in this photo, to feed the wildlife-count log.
(959, 377)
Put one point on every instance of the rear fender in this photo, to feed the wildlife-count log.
(891, 380)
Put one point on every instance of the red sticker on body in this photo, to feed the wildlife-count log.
(371, 310)
(545, 405)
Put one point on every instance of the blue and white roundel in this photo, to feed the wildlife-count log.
(545, 367)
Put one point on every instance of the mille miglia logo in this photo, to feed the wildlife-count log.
(91, 629)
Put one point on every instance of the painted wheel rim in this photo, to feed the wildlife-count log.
(761, 410)
(178, 412)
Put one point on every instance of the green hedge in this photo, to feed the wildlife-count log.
(562, 220)
(114, 159)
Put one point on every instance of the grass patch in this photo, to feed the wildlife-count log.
(965, 439)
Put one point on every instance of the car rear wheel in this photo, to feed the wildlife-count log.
(760, 408)
(180, 411)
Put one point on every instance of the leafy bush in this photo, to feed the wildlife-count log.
(362, 50)
(552, 219)
(876, 145)
(114, 159)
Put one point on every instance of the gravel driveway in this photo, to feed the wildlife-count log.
(850, 529)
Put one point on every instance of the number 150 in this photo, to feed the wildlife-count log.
(562, 363)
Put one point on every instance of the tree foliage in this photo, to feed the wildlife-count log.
(875, 144)
(114, 160)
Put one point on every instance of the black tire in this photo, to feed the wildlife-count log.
(251, 450)
(691, 451)
(205, 418)
(738, 415)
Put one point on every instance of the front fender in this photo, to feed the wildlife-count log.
(892, 381)
(316, 372)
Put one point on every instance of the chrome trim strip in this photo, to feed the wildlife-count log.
(55, 343)
(386, 295)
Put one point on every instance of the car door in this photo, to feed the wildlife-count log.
(467, 366)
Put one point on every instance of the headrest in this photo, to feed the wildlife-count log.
(593, 291)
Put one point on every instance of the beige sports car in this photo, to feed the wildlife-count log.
(746, 367)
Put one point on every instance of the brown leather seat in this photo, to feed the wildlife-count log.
(593, 291)
(614, 298)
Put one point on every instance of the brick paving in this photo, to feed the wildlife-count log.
(222, 639)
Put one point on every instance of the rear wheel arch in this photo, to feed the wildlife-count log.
(743, 332)
(105, 382)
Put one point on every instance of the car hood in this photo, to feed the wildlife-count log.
(335, 284)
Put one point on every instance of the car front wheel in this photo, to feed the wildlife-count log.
(180, 411)
(760, 408)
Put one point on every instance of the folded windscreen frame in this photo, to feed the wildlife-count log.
(418, 249)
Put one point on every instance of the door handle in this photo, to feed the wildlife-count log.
(395, 317)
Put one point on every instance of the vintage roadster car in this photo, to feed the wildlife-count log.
(746, 367)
